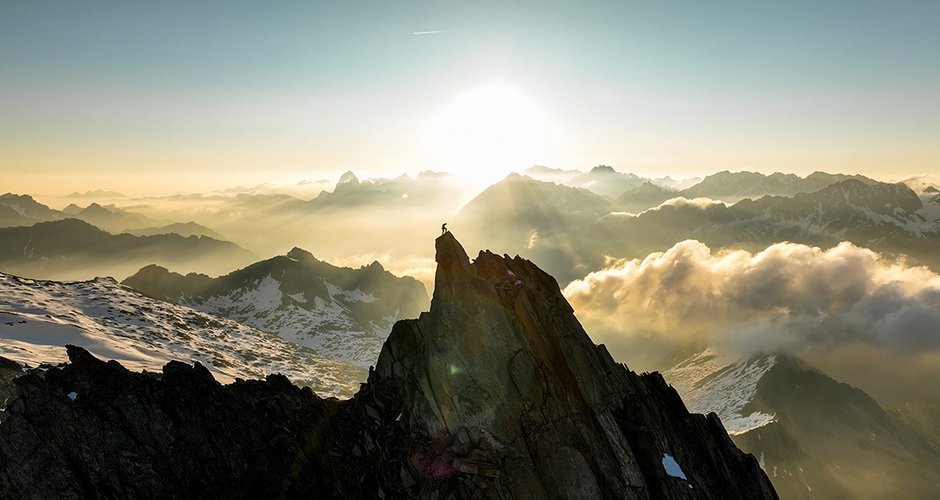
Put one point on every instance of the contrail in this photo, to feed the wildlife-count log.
(426, 32)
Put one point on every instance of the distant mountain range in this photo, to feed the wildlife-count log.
(403, 191)
(23, 210)
(180, 228)
(110, 218)
(726, 186)
(888, 218)
(37, 319)
(731, 187)
(573, 230)
(341, 313)
(605, 180)
(815, 437)
(73, 249)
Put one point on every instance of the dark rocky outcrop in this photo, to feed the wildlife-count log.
(496, 392)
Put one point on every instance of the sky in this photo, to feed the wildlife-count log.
(149, 97)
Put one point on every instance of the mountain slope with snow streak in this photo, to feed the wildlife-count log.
(339, 312)
(38, 318)
(709, 382)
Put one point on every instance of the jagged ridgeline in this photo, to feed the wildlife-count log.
(496, 392)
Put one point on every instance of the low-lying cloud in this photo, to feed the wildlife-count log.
(822, 304)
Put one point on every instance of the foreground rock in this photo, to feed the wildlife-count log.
(497, 392)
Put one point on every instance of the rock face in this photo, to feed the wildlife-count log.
(496, 392)
(96, 430)
(502, 376)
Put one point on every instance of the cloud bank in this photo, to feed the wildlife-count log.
(821, 304)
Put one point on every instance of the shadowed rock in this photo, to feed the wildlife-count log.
(496, 392)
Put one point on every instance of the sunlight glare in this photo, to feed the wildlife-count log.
(488, 132)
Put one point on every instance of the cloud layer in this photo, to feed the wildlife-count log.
(818, 303)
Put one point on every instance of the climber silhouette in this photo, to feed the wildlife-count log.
(443, 228)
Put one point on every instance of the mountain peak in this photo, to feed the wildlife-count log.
(500, 367)
(603, 169)
(348, 178)
(14, 196)
(298, 253)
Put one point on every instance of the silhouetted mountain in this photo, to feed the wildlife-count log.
(731, 187)
(496, 392)
(97, 194)
(607, 182)
(549, 174)
(114, 219)
(604, 180)
(400, 192)
(573, 231)
(74, 249)
(642, 197)
(547, 220)
(339, 312)
(675, 184)
(180, 228)
(884, 217)
(9, 217)
(23, 210)
(815, 437)
(72, 209)
(39, 317)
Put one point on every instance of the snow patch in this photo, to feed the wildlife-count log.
(708, 383)
(38, 318)
(672, 467)
(327, 325)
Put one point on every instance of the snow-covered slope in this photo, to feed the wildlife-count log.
(814, 436)
(341, 313)
(38, 318)
(325, 325)
(841, 209)
(709, 382)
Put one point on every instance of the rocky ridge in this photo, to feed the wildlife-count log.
(496, 392)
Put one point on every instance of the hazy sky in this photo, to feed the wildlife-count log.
(169, 96)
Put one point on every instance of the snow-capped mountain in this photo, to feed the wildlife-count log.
(814, 436)
(887, 218)
(341, 313)
(841, 209)
(735, 186)
(710, 382)
(38, 318)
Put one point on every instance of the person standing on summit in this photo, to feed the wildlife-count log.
(443, 228)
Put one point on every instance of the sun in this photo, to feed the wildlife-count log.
(487, 132)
